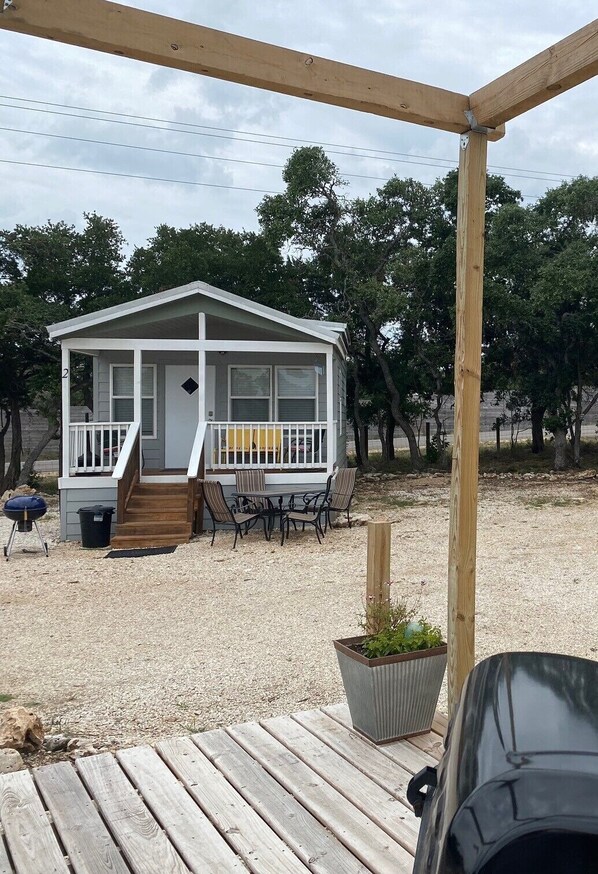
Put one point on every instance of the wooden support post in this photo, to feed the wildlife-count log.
(378, 572)
(498, 436)
(428, 443)
(464, 482)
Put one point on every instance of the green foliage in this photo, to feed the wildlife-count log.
(395, 630)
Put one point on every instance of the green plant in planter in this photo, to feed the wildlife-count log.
(392, 674)
(391, 628)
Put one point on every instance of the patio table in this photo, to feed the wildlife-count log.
(270, 511)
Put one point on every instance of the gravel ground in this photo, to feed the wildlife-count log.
(129, 650)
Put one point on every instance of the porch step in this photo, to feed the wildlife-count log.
(155, 502)
(158, 514)
(152, 527)
(155, 515)
(141, 542)
(161, 488)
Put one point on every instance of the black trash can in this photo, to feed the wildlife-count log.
(95, 526)
(517, 787)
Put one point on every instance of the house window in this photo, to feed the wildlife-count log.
(297, 394)
(250, 391)
(122, 396)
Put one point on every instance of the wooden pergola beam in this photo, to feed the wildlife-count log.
(156, 39)
(562, 66)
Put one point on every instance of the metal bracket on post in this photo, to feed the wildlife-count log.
(473, 124)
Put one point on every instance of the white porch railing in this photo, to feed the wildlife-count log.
(270, 445)
(94, 447)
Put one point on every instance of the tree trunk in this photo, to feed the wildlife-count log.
(382, 437)
(14, 467)
(395, 397)
(560, 448)
(3, 431)
(390, 436)
(538, 429)
(578, 421)
(37, 450)
(361, 436)
(357, 439)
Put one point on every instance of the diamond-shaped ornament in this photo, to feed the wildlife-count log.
(190, 385)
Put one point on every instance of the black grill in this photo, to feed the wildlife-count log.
(24, 511)
(516, 791)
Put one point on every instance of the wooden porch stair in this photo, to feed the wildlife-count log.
(155, 515)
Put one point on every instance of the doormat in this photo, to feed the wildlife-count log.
(140, 553)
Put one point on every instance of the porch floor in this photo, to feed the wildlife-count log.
(291, 794)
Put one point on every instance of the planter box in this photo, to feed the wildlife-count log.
(392, 697)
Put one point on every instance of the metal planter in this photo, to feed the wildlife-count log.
(392, 697)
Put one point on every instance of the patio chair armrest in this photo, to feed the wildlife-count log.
(311, 499)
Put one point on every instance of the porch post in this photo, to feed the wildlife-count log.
(330, 430)
(137, 372)
(466, 448)
(201, 370)
(66, 408)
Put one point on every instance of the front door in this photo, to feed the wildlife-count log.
(181, 411)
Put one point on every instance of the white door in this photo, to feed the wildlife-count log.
(181, 410)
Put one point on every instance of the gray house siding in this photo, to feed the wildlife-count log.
(72, 499)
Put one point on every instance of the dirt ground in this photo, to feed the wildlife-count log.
(129, 650)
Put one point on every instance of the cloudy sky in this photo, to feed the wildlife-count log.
(64, 107)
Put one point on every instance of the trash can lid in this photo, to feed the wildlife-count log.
(96, 509)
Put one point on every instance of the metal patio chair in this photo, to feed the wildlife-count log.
(340, 494)
(221, 513)
(311, 514)
(251, 480)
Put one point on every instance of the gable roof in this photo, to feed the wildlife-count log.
(326, 332)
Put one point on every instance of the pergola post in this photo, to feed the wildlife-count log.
(464, 481)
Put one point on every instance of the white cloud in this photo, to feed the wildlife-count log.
(453, 44)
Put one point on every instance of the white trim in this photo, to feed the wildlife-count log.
(248, 397)
(125, 452)
(195, 457)
(86, 482)
(201, 369)
(66, 408)
(305, 326)
(330, 429)
(227, 479)
(113, 364)
(156, 345)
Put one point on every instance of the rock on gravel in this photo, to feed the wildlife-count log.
(21, 729)
(10, 760)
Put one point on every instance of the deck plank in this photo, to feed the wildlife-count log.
(5, 866)
(199, 843)
(430, 743)
(400, 751)
(260, 848)
(358, 751)
(81, 828)
(142, 841)
(385, 809)
(29, 835)
(309, 839)
(358, 832)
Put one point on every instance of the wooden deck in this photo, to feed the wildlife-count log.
(289, 795)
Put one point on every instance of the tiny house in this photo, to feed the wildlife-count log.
(189, 383)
